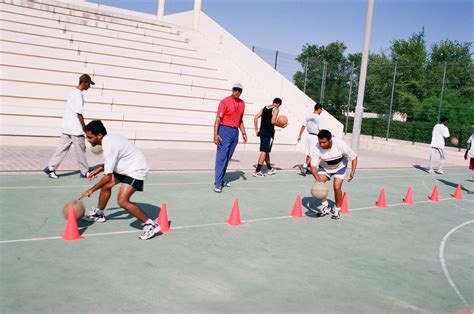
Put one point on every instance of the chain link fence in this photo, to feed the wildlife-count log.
(402, 100)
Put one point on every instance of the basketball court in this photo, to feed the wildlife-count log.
(403, 258)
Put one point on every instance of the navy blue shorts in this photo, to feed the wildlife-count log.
(266, 144)
(136, 184)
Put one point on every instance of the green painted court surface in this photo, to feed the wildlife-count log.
(410, 259)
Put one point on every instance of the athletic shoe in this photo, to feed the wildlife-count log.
(226, 184)
(271, 172)
(439, 171)
(302, 170)
(324, 210)
(431, 171)
(149, 231)
(51, 173)
(82, 175)
(308, 171)
(217, 189)
(258, 174)
(94, 216)
(335, 213)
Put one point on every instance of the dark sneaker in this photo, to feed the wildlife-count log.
(149, 231)
(84, 175)
(217, 189)
(51, 173)
(302, 170)
(94, 216)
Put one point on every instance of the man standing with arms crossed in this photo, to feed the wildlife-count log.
(229, 120)
(73, 134)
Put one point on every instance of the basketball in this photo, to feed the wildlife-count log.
(454, 141)
(282, 119)
(96, 149)
(319, 190)
(78, 208)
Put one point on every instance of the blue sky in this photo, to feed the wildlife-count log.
(286, 25)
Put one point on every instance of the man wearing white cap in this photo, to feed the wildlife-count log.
(229, 120)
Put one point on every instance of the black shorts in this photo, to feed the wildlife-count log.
(266, 144)
(136, 184)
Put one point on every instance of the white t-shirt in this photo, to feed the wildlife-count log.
(122, 157)
(471, 150)
(312, 122)
(334, 158)
(440, 131)
(75, 104)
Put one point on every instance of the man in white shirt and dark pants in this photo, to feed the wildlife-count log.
(72, 131)
(123, 163)
(440, 132)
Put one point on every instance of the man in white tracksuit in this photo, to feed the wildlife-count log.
(440, 132)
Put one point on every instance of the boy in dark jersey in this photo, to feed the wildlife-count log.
(269, 116)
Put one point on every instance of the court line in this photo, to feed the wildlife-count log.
(204, 225)
(206, 182)
(443, 262)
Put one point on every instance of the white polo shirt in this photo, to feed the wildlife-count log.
(335, 158)
(471, 150)
(312, 122)
(440, 132)
(75, 105)
(121, 156)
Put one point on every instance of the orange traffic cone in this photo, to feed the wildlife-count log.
(297, 211)
(162, 219)
(381, 201)
(434, 195)
(234, 217)
(457, 194)
(71, 232)
(344, 206)
(409, 197)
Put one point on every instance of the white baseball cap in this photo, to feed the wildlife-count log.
(238, 85)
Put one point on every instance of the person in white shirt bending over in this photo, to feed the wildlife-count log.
(329, 159)
(123, 163)
(312, 124)
(72, 132)
(440, 132)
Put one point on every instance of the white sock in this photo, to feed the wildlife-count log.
(325, 203)
(337, 209)
(149, 222)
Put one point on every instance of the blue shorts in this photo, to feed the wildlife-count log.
(266, 144)
(341, 173)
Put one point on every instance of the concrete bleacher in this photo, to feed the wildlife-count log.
(158, 82)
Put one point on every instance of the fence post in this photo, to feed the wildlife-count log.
(373, 128)
(276, 59)
(306, 74)
(391, 101)
(413, 133)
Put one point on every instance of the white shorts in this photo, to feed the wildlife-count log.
(311, 141)
(340, 173)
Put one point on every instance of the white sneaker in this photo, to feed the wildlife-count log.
(431, 171)
(321, 210)
(94, 216)
(226, 184)
(258, 174)
(271, 172)
(149, 231)
(51, 172)
(439, 171)
(335, 214)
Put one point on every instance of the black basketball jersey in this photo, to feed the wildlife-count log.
(267, 129)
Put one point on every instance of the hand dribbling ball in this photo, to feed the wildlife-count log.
(77, 206)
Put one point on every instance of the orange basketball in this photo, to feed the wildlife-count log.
(282, 119)
(454, 141)
(77, 206)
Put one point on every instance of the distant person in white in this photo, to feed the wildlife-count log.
(329, 159)
(440, 132)
(312, 123)
(123, 163)
(72, 131)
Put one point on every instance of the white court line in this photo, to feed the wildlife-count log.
(207, 182)
(204, 225)
(443, 262)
